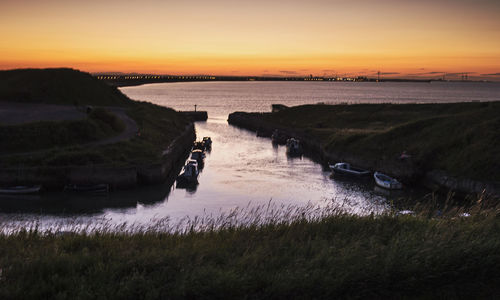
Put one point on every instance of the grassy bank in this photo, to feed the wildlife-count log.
(461, 138)
(99, 124)
(158, 127)
(337, 256)
(66, 143)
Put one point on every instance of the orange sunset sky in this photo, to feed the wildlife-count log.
(287, 38)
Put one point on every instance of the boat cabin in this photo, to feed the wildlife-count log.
(197, 155)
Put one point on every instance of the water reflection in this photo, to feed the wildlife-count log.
(242, 171)
(70, 204)
(190, 187)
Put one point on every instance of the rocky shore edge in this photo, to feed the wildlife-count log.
(406, 170)
(118, 178)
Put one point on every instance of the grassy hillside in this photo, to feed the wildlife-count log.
(58, 86)
(158, 126)
(461, 138)
(61, 142)
(336, 257)
(43, 135)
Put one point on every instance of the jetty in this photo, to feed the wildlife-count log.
(195, 115)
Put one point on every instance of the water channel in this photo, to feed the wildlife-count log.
(242, 170)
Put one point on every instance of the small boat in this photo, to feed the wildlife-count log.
(293, 147)
(197, 155)
(189, 174)
(101, 188)
(346, 169)
(207, 142)
(405, 212)
(21, 190)
(387, 182)
(199, 146)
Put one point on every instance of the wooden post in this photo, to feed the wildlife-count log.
(195, 107)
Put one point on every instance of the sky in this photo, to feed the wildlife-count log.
(260, 38)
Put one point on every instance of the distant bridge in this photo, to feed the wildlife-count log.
(133, 79)
(127, 80)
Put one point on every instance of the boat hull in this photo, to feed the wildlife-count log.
(186, 180)
(350, 172)
(20, 190)
(387, 182)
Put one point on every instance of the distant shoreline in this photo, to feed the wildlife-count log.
(138, 79)
(122, 80)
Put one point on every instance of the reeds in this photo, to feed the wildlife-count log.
(269, 251)
(258, 216)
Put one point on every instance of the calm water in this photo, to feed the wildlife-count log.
(243, 170)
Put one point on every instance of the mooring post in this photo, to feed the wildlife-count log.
(195, 107)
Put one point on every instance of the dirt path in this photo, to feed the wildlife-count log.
(12, 113)
(127, 134)
(19, 113)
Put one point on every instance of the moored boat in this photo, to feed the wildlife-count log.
(387, 182)
(293, 146)
(189, 173)
(20, 190)
(207, 142)
(343, 168)
(199, 146)
(197, 155)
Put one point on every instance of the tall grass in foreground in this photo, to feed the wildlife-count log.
(254, 216)
(273, 255)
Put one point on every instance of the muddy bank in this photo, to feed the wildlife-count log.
(123, 177)
(408, 171)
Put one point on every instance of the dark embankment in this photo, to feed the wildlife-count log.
(116, 140)
(58, 86)
(98, 124)
(335, 257)
(453, 146)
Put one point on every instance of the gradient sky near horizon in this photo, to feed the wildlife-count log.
(277, 38)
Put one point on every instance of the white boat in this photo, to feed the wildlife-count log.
(387, 182)
(346, 169)
(293, 146)
(20, 189)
